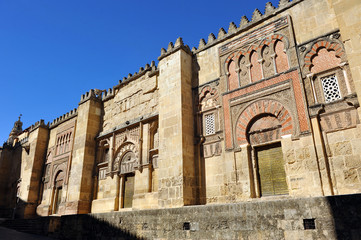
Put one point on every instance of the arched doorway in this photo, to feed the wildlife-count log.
(264, 134)
(127, 170)
(57, 192)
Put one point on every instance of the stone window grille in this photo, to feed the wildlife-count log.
(331, 88)
(210, 124)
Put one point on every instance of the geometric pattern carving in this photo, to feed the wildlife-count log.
(331, 89)
(212, 149)
(262, 107)
(210, 124)
(208, 98)
(129, 135)
(126, 158)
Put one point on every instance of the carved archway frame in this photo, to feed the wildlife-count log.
(259, 107)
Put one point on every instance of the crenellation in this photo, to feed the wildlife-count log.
(163, 51)
(202, 43)
(244, 22)
(38, 124)
(170, 46)
(65, 117)
(221, 33)
(179, 42)
(283, 3)
(257, 15)
(232, 28)
(269, 9)
(211, 38)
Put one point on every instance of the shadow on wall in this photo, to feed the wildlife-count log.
(70, 227)
(346, 211)
(88, 227)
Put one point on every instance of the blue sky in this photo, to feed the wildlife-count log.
(52, 51)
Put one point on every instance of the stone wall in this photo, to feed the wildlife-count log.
(336, 217)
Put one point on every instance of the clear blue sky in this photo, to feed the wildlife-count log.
(53, 51)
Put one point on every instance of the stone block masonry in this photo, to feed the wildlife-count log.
(336, 217)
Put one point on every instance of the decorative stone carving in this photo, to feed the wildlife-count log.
(212, 149)
(126, 159)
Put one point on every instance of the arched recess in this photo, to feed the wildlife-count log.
(208, 98)
(230, 66)
(126, 158)
(324, 53)
(261, 124)
(255, 67)
(267, 108)
(57, 191)
(281, 59)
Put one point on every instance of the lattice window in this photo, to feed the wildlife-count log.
(210, 124)
(331, 89)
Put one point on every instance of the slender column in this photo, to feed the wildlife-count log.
(239, 78)
(310, 77)
(342, 66)
(260, 61)
(249, 72)
(117, 193)
(273, 57)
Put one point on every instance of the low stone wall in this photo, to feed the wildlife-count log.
(337, 217)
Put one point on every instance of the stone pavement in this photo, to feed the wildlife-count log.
(10, 234)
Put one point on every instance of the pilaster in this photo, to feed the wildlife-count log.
(81, 175)
(177, 182)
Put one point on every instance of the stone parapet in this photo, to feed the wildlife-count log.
(63, 118)
(245, 24)
(173, 48)
(38, 124)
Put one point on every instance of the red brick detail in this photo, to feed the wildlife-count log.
(285, 113)
(238, 56)
(207, 89)
(243, 121)
(301, 110)
(229, 58)
(316, 49)
(242, 127)
(325, 60)
(286, 129)
(287, 120)
(275, 110)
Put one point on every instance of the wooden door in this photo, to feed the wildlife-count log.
(128, 191)
(271, 170)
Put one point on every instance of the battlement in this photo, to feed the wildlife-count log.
(38, 124)
(150, 69)
(245, 24)
(173, 48)
(64, 118)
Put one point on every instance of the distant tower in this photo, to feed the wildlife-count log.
(17, 129)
